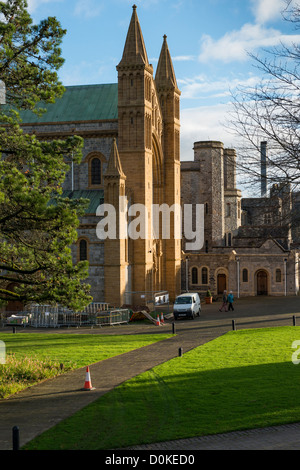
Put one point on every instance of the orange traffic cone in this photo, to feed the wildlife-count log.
(88, 383)
(162, 318)
(157, 321)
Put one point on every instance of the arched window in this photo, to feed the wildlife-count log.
(204, 276)
(96, 171)
(194, 276)
(83, 250)
(245, 275)
(278, 275)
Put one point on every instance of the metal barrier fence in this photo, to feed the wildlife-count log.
(115, 317)
(47, 316)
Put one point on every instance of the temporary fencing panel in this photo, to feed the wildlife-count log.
(49, 316)
(114, 317)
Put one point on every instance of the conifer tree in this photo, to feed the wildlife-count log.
(37, 225)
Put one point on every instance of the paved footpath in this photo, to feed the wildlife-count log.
(42, 406)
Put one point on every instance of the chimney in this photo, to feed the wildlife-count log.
(263, 159)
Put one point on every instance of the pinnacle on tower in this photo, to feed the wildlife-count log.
(114, 167)
(134, 51)
(165, 75)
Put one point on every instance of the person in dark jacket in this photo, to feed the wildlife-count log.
(224, 300)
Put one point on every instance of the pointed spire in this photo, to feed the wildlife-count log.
(114, 167)
(134, 51)
(165, 75)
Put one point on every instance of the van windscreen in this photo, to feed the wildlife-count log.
(183, 300)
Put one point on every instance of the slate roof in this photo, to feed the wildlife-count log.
(95, 196)
(79, 103)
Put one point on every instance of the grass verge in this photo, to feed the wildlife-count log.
(244, 379)
(33, 357)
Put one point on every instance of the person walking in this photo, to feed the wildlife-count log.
(224, 300)
(230, 300)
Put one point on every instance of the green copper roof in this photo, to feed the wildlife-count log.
(79, 103)
(95, 196)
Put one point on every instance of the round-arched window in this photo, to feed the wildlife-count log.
(83, 250)
(96, 171)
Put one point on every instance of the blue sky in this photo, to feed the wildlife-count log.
(208, 41)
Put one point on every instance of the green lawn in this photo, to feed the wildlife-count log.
(242, 380)
(32, 357)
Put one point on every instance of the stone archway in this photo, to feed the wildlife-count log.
(262, 282)
(221, 282)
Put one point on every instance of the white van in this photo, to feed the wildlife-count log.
(187, 305)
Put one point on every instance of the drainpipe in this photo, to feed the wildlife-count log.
(187, 274)
(238, 277)
(285, 277)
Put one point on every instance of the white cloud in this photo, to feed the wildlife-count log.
(204, 123)
(183, 58)
(203, 87)
(34, 4)
(267, 10)
(235, 45)
(88, 8)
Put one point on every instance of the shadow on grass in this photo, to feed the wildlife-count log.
(160, 405)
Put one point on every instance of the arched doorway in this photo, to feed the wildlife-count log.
(262, 282)
(221, 283)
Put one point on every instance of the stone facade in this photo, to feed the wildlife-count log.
(131, 133)
(251, 245)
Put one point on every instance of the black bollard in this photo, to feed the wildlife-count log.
(180, 352)
(233, 325)
(294, 320)
(173, 328)
(16, 438)
(14, 329)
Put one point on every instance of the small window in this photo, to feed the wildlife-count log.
(96, 171)
(83, 255)
(204, 275)
(245, 275)
(229, 239)
(228, 211)
(194, 276)
(278, 275)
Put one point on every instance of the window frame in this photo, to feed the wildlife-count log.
(245, 275)
(80, 240)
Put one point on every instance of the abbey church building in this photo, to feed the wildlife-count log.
(131, 133)
(131, 156)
